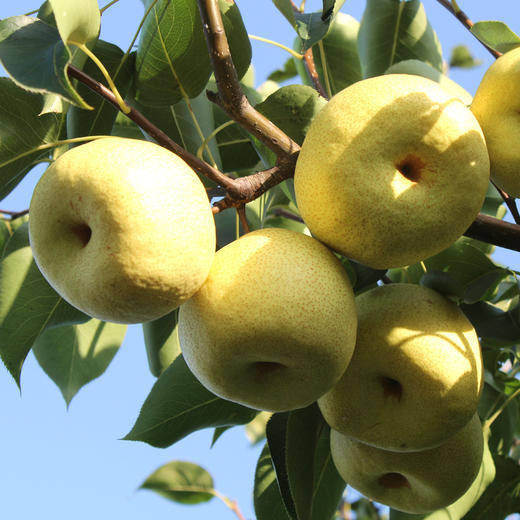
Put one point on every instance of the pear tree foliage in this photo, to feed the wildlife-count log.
(62, 96)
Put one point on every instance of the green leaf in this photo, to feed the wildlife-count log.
(303, 429)
(310, 27)
(461, 57)
(77, 21)
(162, 342)
(124, 127)
(337, 54)
(267, 500)
(183, 482)
(496, 35)
(420, 68)
(491, 322)
(276, 432)
(100, 120)
(172, 57)
(502, 497)
(444, 283)
(292, 108)
(73, 356)
(28, 304)
(36, 58)
(310, 486)
(179, 405)
(393, 31)
(22, 131)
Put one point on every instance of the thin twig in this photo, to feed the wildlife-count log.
(463, 18)
(310, 66)
(510, 203)
(241, 210)
(14, 214)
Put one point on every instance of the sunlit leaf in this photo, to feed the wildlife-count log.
(180, 481)
(179, 405)
(496, 34)
(393, 31)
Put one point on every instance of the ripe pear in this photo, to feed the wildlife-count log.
(496, 105)
(392, 171)
(274, 325)
(416, 375)
(416, 482)
(122, 229)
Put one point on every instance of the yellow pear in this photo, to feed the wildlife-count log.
(273, 327)
(122, 229)
(416, 374)
(417, 482)
(496, 105)
(392, 170)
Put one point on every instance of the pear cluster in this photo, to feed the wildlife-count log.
(393, 170)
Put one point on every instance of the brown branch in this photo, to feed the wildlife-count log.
(495, 231)
(510, 203)
(14, 214)
(156, 133)
(463, 18)
(310, 66)
(230, 96)
(241, 210)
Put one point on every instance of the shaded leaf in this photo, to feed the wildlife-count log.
(491, 322)
(337, 54)
(393, 31)
(179, 405)
(22, 131)
(268, 502)
(276, 432)
(444, 283)
(73, 356)
(36, 58)
(28, 304)
(310, 27)
(183, 482)
(162, 342)
(178, 121)
(292, 108)
(496, 35)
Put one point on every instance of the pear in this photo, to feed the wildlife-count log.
(122, 229)
(416, 375)
(392, 171)
(274, 325)
(415, 482)
(496, 105)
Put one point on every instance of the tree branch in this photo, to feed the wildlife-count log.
(230, 96)
(495, 231)
(463, 18)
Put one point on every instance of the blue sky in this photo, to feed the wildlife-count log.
(58, 464)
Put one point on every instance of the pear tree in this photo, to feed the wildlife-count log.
(311, 258)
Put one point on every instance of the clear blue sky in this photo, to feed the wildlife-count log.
(58, 464)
